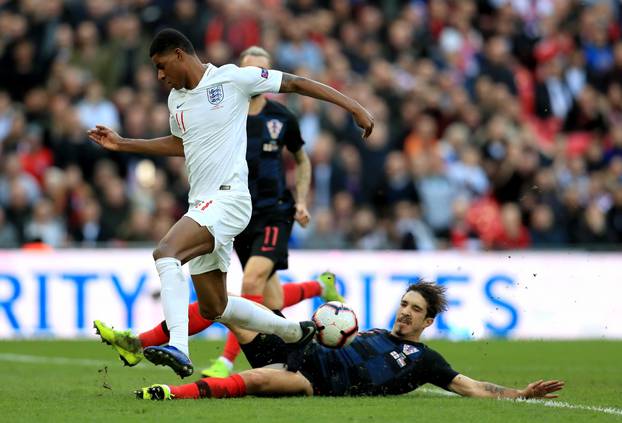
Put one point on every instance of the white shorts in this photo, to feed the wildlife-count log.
(225, 215)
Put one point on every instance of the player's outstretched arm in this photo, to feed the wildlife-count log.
(303, 182)
(300, 85)
(468, 387)
(110, 140)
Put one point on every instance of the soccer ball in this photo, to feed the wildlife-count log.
(336, 324)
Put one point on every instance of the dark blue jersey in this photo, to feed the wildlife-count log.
(376, 363)
(267, 133)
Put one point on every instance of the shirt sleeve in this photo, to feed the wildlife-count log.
(252, 80)
(175, 130)
(438, 371)
(292, 137)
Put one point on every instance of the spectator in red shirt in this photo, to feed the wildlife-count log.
(35, 157)
(235, 26)
(514, 235)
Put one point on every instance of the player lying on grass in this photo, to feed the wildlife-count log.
(378, 362)
(130, 347)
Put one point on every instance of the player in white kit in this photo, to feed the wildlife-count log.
(208, 107)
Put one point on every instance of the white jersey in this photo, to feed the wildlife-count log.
(211, 121)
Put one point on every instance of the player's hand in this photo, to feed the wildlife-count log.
(302, 216)
(542, 389)
(364, 119)
(105, 137)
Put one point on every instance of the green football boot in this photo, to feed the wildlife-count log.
(156, 392)
(329, 293)
(217, 369)
(127, 345)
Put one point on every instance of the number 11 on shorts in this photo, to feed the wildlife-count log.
(270, 236)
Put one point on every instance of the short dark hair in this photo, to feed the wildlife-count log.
(169, 39)
(433, 294)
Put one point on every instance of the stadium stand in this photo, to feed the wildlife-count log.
(498, 122)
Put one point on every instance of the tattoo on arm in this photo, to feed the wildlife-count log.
(288, 82)
(495, 389)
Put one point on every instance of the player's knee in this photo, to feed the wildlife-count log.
(255, 380)
(164, 249)
(253, 283)
(212, 311)
(209, 313)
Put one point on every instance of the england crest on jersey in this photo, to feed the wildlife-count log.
(215, 94)
(274, 128)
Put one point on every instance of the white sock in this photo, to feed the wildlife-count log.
(175, 301)
(226, 362)
(247, 315)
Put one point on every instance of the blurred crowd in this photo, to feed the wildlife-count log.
(498, 122)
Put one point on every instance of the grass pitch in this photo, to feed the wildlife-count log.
(63, 381)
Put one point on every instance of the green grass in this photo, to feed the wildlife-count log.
(99, 389)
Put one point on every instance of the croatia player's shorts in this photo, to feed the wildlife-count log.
(225, 215)
(267, 235)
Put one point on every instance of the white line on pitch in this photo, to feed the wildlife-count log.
(561, 404)
(545, 403)
(42, 359)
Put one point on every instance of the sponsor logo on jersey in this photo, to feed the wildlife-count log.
(264, 73)
(271, 146)
(274, 128)
(410, 349)
(215, 94)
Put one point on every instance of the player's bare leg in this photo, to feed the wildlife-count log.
(256, 273)
(211, 289)
(276, 382)
(263, 381)
(273, 293)
(184, 241)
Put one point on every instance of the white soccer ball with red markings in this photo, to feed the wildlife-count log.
(336, 323)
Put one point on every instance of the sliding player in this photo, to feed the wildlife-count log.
(378, 362)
